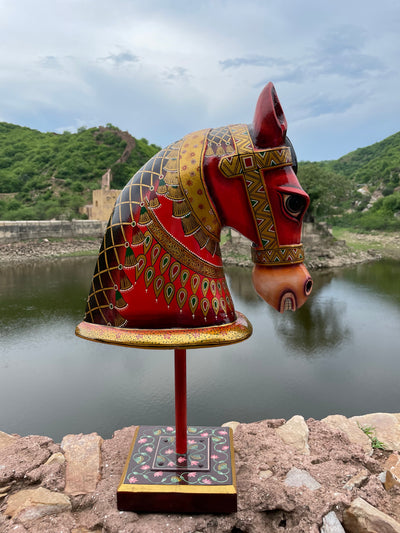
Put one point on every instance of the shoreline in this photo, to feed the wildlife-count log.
(354, 250)
(24, 252)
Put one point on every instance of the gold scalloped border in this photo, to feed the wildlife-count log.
(208, 336)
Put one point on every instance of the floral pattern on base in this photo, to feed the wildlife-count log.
(208, 461)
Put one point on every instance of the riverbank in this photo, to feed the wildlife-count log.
(344, 248)
(23, 252)
(326, 249)
(297, 476)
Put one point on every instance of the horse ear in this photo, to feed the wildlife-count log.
(269, 123)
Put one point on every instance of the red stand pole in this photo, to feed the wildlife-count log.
(180, 401)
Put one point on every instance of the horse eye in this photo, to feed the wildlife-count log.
(294, 204)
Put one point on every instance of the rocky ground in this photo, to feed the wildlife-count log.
(45, 249)
(293, 476)
(329, 252)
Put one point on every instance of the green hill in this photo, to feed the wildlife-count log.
(377, 165)
(45, 175)
(360, 190)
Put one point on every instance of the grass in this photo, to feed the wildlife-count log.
(356, 241)
(375, 442)
(387, 243)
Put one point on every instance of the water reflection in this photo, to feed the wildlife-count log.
(239, 280)
(380, 277)
(316, 329)
(40, 292)
(337, 354)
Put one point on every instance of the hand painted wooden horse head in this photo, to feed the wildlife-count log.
(160, 264)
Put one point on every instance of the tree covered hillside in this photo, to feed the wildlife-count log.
(361, 190)
(45, 175)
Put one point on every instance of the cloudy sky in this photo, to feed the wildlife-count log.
(163, 68)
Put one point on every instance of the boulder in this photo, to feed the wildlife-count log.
(361, 517)
(351, 429)
(83, 457)
(295, 433)
(385, 426)
(31, 504)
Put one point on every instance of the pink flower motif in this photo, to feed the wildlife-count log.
(207, 481)
(223, 432)
(132, 479)
(205, 434)
(191, 441)
(169, 451)
(171, 463)
(225, 447)
(181, 459)
(145, 467)
(194, 463)
(169, 428)
(159, 473)
(192, 474)
(214, 457)
(142, 440)
(149, 449)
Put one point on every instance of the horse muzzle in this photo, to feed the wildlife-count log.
(285, 288)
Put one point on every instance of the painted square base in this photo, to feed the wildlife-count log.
(156, 479)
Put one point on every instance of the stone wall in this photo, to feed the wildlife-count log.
(293, 476)
(25, 230)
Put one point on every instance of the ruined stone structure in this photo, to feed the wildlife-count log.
(103, 200)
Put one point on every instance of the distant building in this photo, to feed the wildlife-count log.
(103, 200)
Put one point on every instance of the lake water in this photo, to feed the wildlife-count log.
(340, 353)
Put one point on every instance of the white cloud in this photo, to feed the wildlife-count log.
(164, 68)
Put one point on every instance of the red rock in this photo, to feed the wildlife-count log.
(266, 502)
(357, 480)
(392, 470)
(83, 456)
(31, 504)
(22, 455)
(6, 440)
(351, 429)
(361, 517)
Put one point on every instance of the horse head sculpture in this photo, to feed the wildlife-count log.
(160, 264)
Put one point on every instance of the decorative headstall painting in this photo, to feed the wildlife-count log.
(160, 264)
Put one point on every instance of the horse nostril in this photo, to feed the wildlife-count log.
(308, 287)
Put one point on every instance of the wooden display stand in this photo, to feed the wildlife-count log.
(181, 468)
